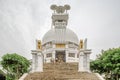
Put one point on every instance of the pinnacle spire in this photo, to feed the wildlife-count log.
(60, 9)
(60, 16)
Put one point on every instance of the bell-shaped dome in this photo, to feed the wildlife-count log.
(60, 33)
(60, 36)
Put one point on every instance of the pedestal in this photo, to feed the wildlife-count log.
(81, 62)
(37, 61)
(66, 56)
(34, 61)
(39, 67)
(88, 62)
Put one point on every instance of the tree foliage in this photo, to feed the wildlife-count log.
(15, 65)
(1, 72)
(108, 63)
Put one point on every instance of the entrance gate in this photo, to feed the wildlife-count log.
(60, 56)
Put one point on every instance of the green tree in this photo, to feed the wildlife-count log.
(1, 72)
(108, 63)
(15, 65)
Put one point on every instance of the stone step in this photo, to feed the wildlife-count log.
(63, 71)
(63, 66)
(58, 76)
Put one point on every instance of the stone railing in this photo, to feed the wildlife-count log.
(23, 76)
(100, 77)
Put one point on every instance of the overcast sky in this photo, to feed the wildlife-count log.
(24, 21)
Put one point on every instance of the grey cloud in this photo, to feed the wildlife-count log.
(22, 21)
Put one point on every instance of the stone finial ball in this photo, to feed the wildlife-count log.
(67, 7)
(53, 7)
(60, 9)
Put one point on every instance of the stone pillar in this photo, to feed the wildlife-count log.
(85, 62)
(81, 62)
(34, 61)
(66, 46)
(37, 61)
(54, 46)
(66, 52)
(53, 55)
(44, 58)
(39, 67)
(85, 44)
(88, 62)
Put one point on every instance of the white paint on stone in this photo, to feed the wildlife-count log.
(81, 62)
(34, 61)
(66, 55)
(37, 61)
(84, 61)
(60, 34)
(39, 67)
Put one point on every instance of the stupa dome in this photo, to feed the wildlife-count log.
(60, 36)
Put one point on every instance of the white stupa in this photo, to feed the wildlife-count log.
(60, 44)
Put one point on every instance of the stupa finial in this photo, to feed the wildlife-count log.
(60, 9)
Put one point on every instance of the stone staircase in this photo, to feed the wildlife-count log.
(61, 71)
